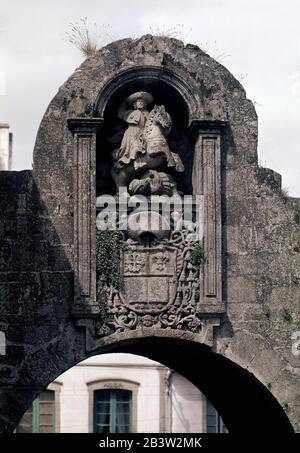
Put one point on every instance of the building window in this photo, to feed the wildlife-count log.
(113, 406)
(40, 417)
(112, 411)
(214, 422)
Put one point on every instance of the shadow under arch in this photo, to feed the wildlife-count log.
(244, 403)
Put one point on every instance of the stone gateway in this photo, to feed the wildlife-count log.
(214, 296)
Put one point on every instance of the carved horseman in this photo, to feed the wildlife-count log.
(144, 146)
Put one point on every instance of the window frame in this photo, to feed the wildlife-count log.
(112, 405)
(219, 423)
(114, 384)
(55, 388)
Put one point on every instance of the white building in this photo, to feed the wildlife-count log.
(121, 393)
(5, 147)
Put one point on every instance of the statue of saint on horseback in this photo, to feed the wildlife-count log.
(144, 146)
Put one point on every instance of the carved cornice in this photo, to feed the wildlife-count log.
(85, 125)
(198, 126)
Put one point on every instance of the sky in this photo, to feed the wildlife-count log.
(257, 40)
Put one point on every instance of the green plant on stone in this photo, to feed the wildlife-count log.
(102, 292)
(197, 255)
(295, 279)
(297, 217)
(176, 31)
(197, 294)
(88, 109)
(287, 315)
(86, 38)
(284, 193)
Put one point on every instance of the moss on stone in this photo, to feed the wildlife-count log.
(197, 255)
(287, 315)
(107, 263)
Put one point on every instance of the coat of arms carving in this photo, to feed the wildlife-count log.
(159, 287)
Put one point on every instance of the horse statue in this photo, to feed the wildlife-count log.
(144, 146)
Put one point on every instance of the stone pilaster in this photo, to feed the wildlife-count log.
(84, 171)
(206, 180)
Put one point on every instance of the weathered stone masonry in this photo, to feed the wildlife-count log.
(47, 302)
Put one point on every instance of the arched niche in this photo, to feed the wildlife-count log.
(168, 90)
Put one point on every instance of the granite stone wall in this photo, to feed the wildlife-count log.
(260, 234)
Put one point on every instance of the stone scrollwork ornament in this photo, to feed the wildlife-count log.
(160, 287)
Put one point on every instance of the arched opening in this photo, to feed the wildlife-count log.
(242, 401)
(121, 393)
